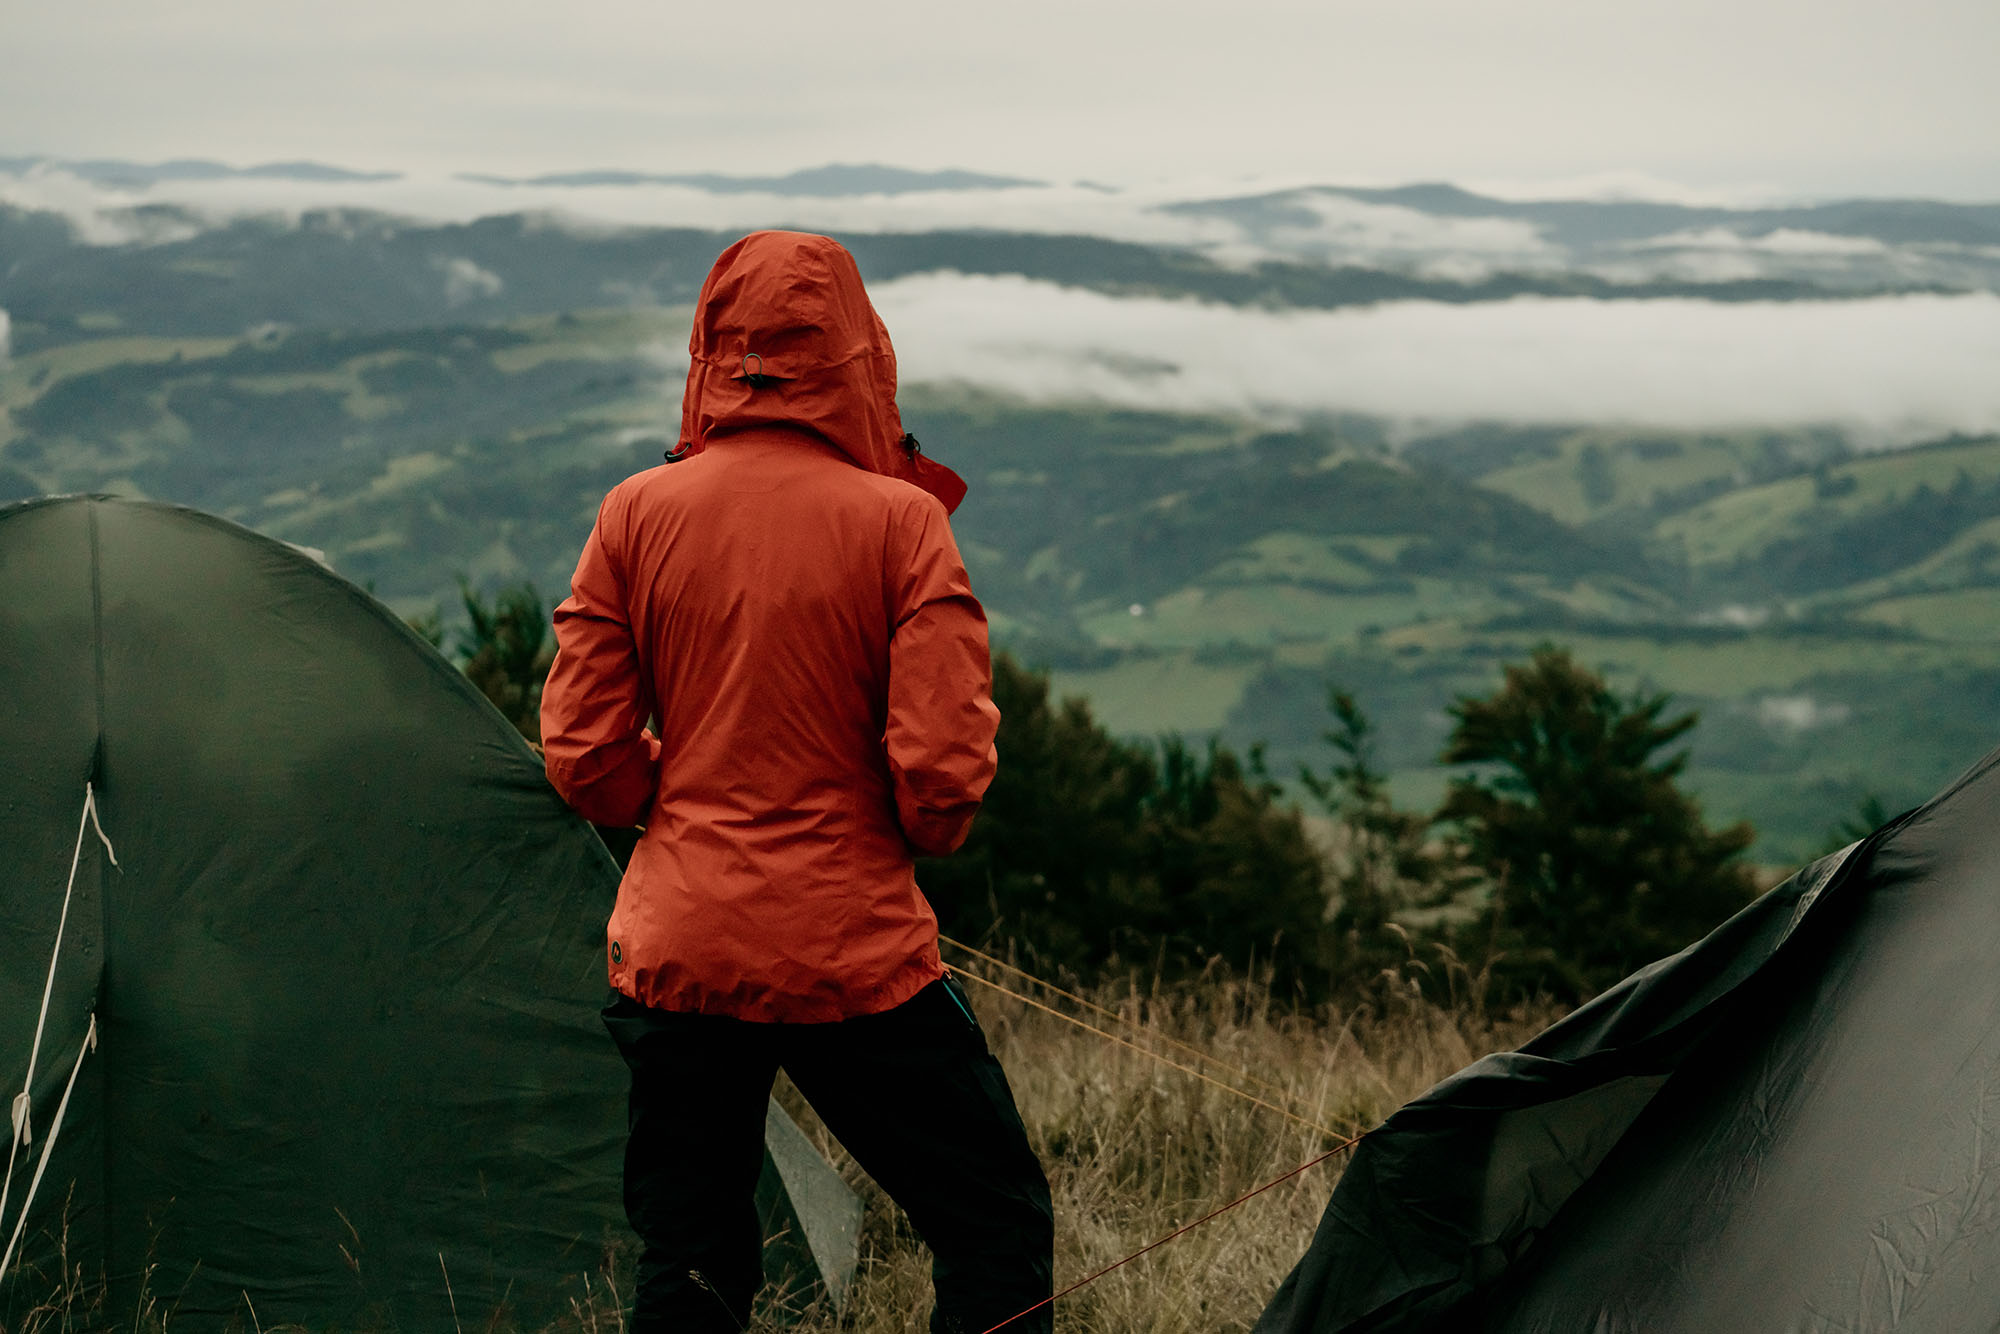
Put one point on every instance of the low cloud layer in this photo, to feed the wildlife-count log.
(1892, 369)
(1238, 224)
(104, 214)
(1342, 230)
(1799, 713)
(6, 336)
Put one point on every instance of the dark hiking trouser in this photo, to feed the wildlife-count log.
(913, 1093)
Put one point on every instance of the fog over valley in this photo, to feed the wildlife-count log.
(1637, 303)
(1894, 369)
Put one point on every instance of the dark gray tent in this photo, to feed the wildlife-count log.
(323, 1042)
(1793, 1125)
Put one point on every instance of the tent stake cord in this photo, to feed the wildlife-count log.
(1336, 1150)
(1180, 1231)
(1113, 1015)
(1163, 1060)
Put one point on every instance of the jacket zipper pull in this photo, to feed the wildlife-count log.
(951, 990)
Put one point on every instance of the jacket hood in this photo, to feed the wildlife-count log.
(784, 335)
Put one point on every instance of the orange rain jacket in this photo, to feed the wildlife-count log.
(787, 601)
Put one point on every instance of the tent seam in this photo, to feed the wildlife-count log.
(103, 911)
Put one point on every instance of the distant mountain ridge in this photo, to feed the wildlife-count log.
(1596, 222)
(141, 175)
(362, 270)
(1432, 240)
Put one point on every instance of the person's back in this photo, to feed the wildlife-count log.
(785, 600)
(774, 575)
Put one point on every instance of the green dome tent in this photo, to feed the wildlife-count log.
(322, 1042)
(1792, 1125)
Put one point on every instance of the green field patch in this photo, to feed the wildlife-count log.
(1896, 475)
(1710, 665)
(1381, 549)
(1961, 616)
(1730, 527)
(355, 396)
(40, 370)
(1597, 472)
(1597, 599)
(387, 540)
(205, 266)
(1300, 655)
(1736, 526)
(1151, 696)
(1970, 558)
(1730, 666)
(1268, 614)
(1295, 556)
(1190, 442)
(614, 334)
(409, 470)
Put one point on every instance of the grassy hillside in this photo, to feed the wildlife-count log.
(1832, 613)
(407, 458)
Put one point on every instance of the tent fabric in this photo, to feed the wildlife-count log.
(346, 970)
(811, 1220)
(1789, 1126)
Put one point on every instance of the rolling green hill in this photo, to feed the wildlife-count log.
(1835, 615)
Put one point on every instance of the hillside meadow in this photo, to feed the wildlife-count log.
(1134, 1149)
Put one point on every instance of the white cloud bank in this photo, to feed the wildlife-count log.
(103, 214)
(466, 281)
(1892, 368)
(6, 336)
(1799, 713)
(1344, 230)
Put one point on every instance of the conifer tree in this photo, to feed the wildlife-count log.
(505, 649)
(1386, 859)
(1599, 862)
(1088, 848)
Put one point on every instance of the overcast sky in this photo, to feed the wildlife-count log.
(1795, 97)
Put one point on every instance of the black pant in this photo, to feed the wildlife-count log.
(914, 1095)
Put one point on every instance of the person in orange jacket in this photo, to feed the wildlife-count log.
(784, 601)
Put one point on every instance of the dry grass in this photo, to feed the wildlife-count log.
(1134, 1149)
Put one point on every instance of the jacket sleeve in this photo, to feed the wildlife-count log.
(941, 718)
(597, 699)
